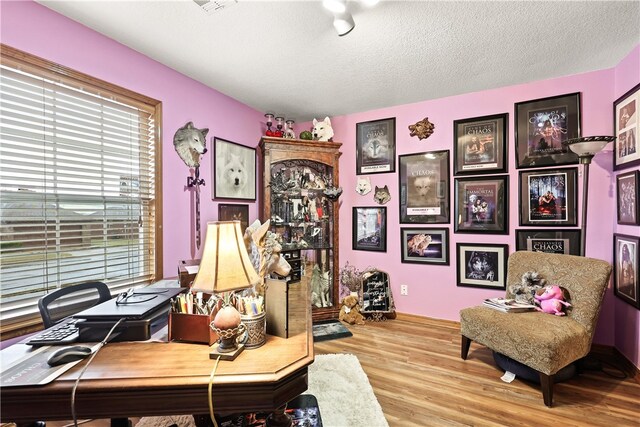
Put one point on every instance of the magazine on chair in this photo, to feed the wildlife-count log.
(507, 305)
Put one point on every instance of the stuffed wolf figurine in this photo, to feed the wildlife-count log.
(322, 131)
(190, 143)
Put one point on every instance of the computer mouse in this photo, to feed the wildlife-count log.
(68, 354)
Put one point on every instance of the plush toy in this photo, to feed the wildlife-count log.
(530, 283)
(551, 300)
(350, 311)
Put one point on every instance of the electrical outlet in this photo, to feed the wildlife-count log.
(404, 290)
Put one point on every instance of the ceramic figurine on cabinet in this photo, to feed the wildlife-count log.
(322, 131)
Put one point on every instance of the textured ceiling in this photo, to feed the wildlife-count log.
(285, 57)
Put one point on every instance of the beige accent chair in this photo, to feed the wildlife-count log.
(544, 342)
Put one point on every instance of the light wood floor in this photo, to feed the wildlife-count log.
(417, 374)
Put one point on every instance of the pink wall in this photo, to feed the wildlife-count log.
(627, 318)
(432, 289)
(35, 29)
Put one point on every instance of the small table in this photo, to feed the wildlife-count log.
(134, 379)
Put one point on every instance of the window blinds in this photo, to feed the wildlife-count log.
(77, 187)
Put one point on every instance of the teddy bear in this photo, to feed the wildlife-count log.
(350, 311)
(551, 299)
(530, 283)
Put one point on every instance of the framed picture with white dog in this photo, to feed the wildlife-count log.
(424, 187)
(234, 170)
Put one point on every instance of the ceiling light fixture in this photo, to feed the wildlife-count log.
(369, 3)
(335, 6)
(343, 23)
(211, 6)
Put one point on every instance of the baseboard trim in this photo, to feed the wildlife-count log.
(608, 353)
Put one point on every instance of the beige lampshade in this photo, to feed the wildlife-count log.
(225, 264)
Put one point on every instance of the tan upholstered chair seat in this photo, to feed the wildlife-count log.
(544, 342)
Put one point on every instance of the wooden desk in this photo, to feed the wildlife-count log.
(136, 379)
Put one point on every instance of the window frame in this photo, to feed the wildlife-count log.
(31, 321)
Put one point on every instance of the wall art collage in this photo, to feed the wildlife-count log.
(547, 190)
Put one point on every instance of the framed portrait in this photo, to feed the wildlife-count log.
(376, 292)
(234, 170)
(482, 265)
(625, 268)
(625, 122)
(565, 241)
(376, 146)
(542, 127)
(480, 145)
(628, 188)
(424, 188)
(549, 197)
(228, 212)
(480, 205)
(425, 245)
(370, 229)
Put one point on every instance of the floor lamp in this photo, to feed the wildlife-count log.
(586, 147)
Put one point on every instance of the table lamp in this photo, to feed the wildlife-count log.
(586, 147)
(225, 267)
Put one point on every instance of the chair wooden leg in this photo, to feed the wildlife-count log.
(546, 383)
(464, 347)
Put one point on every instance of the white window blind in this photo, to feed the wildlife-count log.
(77, 187)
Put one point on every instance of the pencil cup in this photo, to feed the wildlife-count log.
(256, 334)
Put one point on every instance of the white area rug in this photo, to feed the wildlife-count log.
(342, 388)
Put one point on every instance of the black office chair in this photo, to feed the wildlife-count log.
(53, 308)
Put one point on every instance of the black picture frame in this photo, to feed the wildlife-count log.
(424, 246)
(482, 265)
(626, 122)
(376, 292)
(541, 128)
(376, 146)
(369, 228)
(233, 212)
(480, 205)
(628, 187)
(561, 210)
(557, 241)
(424, 187)
(626, 259)
(234, 170)
(480, 145)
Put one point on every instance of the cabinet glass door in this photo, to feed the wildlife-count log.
(303, 218)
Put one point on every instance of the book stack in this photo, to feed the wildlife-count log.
(507, 305)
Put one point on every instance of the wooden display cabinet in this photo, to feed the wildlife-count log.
(295, 172)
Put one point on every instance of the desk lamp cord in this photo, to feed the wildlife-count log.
(75, 386)
(213, 372)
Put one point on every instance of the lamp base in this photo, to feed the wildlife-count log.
(226, 354)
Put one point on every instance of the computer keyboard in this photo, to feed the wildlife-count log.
(63, 333)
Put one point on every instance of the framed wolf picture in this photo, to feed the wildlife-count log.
(424, 245)
(376, 146)
(542, 127)
(626, 260)
(424, 187)
(234, 170)
(480, 145)
(482, 265)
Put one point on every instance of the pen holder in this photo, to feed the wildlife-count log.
(191, 328)
(256, 334)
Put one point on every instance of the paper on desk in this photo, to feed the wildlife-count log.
(192, 269)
